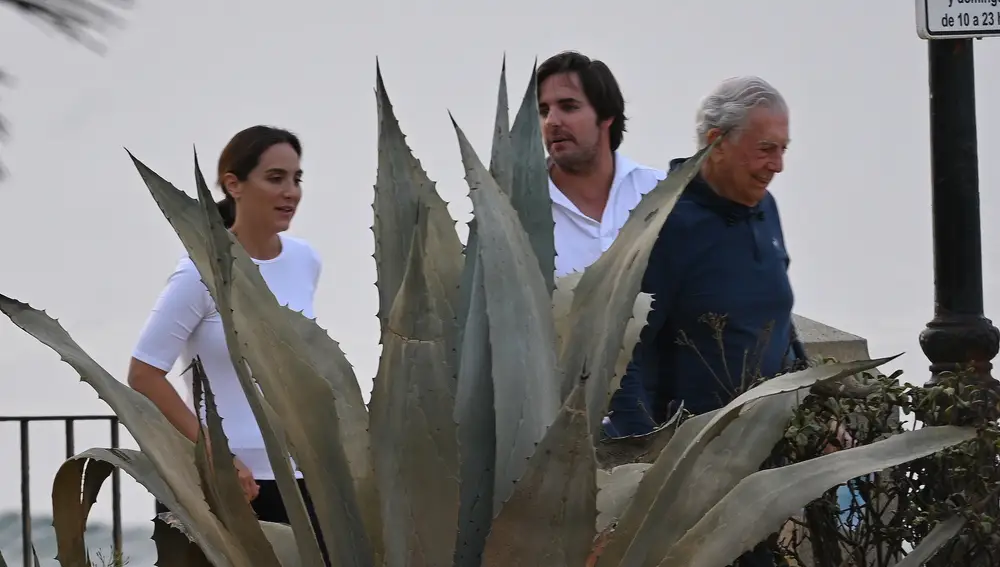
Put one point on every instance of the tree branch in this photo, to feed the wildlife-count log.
(76, 19)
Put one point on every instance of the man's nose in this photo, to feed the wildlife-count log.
(553, 118)
(777, 164)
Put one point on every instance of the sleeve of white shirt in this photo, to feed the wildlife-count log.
(181, 306)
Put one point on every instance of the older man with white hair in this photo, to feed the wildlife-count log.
(722, 310)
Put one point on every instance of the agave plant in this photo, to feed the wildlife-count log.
(479, 446)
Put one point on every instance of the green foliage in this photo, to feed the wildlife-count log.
(924, 503)
(953, 492)
(116, 559)
(479, 446)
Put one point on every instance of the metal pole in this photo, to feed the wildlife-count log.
(116, 493)
(26, 542)
(959, 336)
(70, 438)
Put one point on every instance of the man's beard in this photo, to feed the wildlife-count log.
(580, 161)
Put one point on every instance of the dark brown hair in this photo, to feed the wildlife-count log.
(242, 154)
(599, 86)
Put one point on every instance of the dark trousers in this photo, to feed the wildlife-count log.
(269, 507)
(760, 556)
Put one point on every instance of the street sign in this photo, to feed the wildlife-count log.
(954, 19)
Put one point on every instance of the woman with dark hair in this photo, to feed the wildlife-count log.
(259, 175)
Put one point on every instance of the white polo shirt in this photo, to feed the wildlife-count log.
(579, 239)
(185, 323)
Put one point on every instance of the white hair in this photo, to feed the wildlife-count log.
(728, 106)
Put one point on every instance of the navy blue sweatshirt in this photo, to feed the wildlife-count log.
(713, 256)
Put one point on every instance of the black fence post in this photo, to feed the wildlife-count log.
(69, 422)
(116, 492)
(26, 541)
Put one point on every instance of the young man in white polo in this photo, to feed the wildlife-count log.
(592, 185)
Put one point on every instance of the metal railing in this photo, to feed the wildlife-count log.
(70, 423)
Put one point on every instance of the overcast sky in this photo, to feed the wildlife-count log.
(84, 240)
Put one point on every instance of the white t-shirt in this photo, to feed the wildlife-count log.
(185, 323)
(579, 239)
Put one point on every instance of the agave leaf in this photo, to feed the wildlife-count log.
(138, 465)
(447, 267)
(2, 562)
(203, 457)
(203, 462)
(174, 548)
(615, 489)
(170, 454)
(938, 537)
(550, 518)
(466, 285)
(474, 411)
(74, 492)
(231, 503)
(352, 414)
(736, 453)
(283, 541)
(525, 377)
(476, 419)
(615, 541)
(645, 448)
(413, 433)
(530, 191)
(764, 500)
(640, 312)
(502, 158)
(173, 541)
(562, 303)
(604, 300)
(502, 170)
(333, 365)
(683, 468)
(218, 274)
(400, 185)
(281, 364)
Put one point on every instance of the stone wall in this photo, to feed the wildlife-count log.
(824, 340)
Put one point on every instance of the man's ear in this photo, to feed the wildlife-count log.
(605, 126)
(713, 135)
(719, 150)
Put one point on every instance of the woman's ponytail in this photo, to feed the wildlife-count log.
(227, 208)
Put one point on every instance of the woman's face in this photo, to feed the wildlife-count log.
(270, 195)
